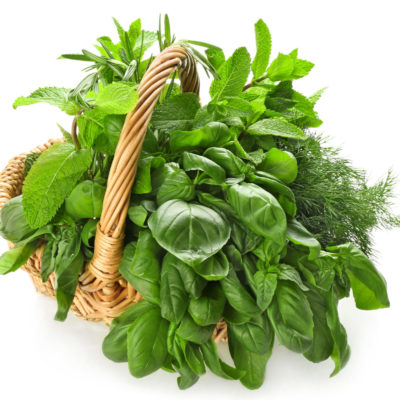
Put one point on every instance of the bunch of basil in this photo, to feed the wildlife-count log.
(212, 232)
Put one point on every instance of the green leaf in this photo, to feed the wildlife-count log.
(215, 57)
(276, 127)
(232, 164)
(90, 126)
(208, 309)
(213, 268)
(299, 235)
(289, 273)
(259, 211)
(212, 134)
(176, 113)
(190, 232)
(117, 98)
(291, 317)
(140, 266)
(216, 365)
(265, 285)
(255, 335)
(143, 43)
(237, 295)
(233, 74)
(263, 42)
(143, 182)
(58, 97)
(192, 332)
(322, 345)
(147, 343)
(253, 364)
(193, 162)
(51, 180)
(138, 215)
(341, 350)
(15, 258)
(66, 284)
(115, 346)
(176, 185)
(367, 283)
(175, 299)
(106, 142)
(281, 164)
(193, 283)
(281, 68)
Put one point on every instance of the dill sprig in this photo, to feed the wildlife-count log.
(334, 199)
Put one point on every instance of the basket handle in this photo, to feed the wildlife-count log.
(103, 268)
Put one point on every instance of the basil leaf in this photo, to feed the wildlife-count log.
(281, 164)
(208, 309)
(255, 335)
(138, 215)
(147, 343)
(238, 297)
(195, 162)
(299, 235)
(289, 273)
(175, 299)
(368, 285)
(115, 345)
(259, 211)
(214, 268)
(193, 283)
(232, 164)
(190, 232)
(141, 268)
(265, 286)
(212, 134)
(291, 317)
(192, 332)
(15, 258)
(143, 175)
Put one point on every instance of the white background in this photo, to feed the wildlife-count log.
(354, 45)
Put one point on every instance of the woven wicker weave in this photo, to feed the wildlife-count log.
(102, 293)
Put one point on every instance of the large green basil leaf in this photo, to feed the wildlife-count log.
(253, 364)
(193, 161)
(341, 350)
(259, 211)
(281, 164)
(107, 140)
(212, 134)
(214, 268)
(115, 345)
(147, 343)
(208, 309)
(285, 195)
(232, 316)
(265, 286)
(193, 356)
(216, 365)
(367, 283)
(233, 165)
(192, 332)
(256, 335)
(140, 266)
(299, 235)
(237, 295)
(291, 317)
(193, 283)
(191, 232)
(289, 273)
(176, 185)
(322, 344)
(175, 299)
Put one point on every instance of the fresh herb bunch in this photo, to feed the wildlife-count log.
(237, 213)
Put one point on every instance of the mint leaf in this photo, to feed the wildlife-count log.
(233, 75)
(143, 43)
(117, 98)
(215, 57)
(263, 43)
(134, 31)
(90, 126)
(176, 113)
(51, 179)
(281, 68)
(276, 127)
(52, 95)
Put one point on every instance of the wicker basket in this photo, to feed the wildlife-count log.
(102, 293)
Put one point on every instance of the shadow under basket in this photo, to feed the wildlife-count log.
(102, 293)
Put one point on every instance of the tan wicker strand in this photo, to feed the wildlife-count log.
(102, 294)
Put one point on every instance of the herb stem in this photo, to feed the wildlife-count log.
(73, 130)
